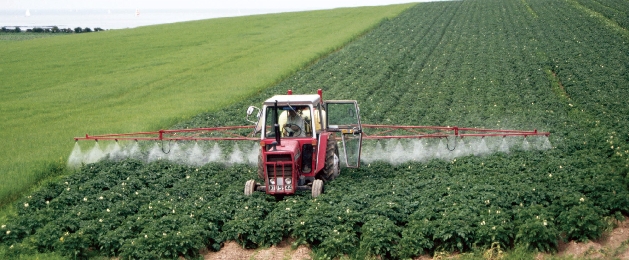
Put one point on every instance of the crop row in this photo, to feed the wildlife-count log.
(615, 10)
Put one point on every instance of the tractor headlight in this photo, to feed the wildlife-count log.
(288, 181)
(272, 181)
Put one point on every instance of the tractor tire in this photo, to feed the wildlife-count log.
(332, 165)
(260, 167)
(250, 187)
(317, 188)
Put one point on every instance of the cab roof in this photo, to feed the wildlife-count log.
(282, 100)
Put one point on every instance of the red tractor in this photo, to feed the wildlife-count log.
(299, 147)
(299, 137)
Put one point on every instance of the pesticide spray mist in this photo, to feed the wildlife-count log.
(189, 153)
(394, 151)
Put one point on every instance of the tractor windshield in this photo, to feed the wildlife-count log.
(294, 121)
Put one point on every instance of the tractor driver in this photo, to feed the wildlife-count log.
(294, 126)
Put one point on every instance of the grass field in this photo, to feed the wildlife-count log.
(149, 78)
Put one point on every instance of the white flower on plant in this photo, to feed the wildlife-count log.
(550, 175)
(100, 220)
(164, 234)
(545, 223)
(47, 202)
(67, 183)
(582, 199)
(108, 210)
(100, 198)
(84, 198)
(187, 176)
(4, 226)
(493, 228)
(191, 215)
(173, 211)
(136, 193)
(8, 232)
(150, 207)
(146, 236)
(302, 222)
(246, 207)
(482, 223)
(68, 189)
(26, 205)
(287, 208)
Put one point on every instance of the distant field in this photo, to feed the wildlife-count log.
(26, 36)
(149, 78)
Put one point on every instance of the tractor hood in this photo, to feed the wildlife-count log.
(288, 146)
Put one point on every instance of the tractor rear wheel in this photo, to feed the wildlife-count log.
(317, 188)
(331, 169)
(250, 187)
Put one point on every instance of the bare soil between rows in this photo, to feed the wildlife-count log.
(612, 245)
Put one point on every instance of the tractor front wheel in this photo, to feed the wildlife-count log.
(331, 169)
(250, 187)
(317, 188)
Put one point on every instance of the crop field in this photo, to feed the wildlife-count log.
(557, 66)
(148, 78)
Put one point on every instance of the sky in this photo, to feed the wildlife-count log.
(193, 4)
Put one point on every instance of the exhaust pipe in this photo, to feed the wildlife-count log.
(276, 125)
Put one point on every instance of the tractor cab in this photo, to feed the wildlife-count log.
(299, 146)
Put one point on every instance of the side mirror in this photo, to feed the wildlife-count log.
(250, 110)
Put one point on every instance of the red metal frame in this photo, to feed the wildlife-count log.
(418, 132)
(229, 133)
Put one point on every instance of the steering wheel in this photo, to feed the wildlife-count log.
(292, 130)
